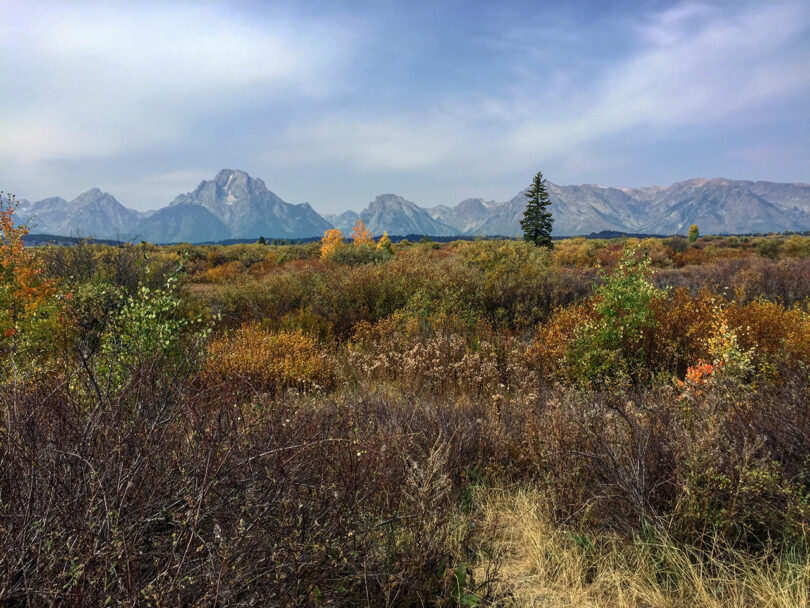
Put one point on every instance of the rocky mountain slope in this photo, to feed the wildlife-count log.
(232, 205)
(395, 215)
(93, 213)
(248, 209)
(235, 205)
(717, 205)
(468, 215)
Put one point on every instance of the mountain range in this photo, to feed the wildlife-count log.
(235, 205)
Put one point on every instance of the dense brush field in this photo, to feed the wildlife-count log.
(610, 423)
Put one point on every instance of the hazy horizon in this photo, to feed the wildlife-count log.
(436, 102)
(360, 206)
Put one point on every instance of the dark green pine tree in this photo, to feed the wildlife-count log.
(537, 220)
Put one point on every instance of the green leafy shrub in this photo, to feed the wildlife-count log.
(149, 328)
(353, 255)
(609, 348)
(770, 247)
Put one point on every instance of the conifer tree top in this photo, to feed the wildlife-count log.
(537, 220)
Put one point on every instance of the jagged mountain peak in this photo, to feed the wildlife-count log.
(472, 204)
(249, 210)
(94, 195)
(395, 214)
(235, 205)
(93, 213)
(387, 198)
(716, 204)
(225, 175)
(238, 182)
(466, 216)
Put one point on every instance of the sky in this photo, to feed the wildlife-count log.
(334, 103)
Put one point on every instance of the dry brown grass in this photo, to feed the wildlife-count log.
(543, 564)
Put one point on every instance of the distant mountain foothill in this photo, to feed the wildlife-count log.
(235, 205)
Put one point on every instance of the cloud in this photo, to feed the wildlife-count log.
(689, 67)
(393, 143)
(93, 80)
(157, 185)
(145, 99)
(706, 65)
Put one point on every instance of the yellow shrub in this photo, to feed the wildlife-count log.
(579, 252)
(331, 240)
(655, 250)
(251, 359)
(797, 247)
(215, 257)
(385, 244)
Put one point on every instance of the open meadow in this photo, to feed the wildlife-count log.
(606, 423)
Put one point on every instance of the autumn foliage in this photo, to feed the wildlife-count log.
(251, 359)
(330, 424)
(23, 289)
(332, 239)
(385, 244)
(361, 236)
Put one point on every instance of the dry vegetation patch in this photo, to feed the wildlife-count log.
(611, 423)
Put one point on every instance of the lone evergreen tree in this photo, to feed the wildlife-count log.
(537, 220)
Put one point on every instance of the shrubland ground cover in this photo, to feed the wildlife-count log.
(610, 423)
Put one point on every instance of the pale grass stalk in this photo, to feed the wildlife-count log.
(542, 565)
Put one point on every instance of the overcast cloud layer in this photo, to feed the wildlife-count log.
(436, 102)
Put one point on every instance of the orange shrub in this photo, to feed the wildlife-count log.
(607, 256)
(693, 255)
(698, 374)
(23, 290)
(361, 235)
(252, 360)
(677, 339)
(779, 338)
(224, 273)
(683, 325)
(554, 339)
(269, 263)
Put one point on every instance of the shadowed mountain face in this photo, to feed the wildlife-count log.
(235, 205)
(183, 223)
